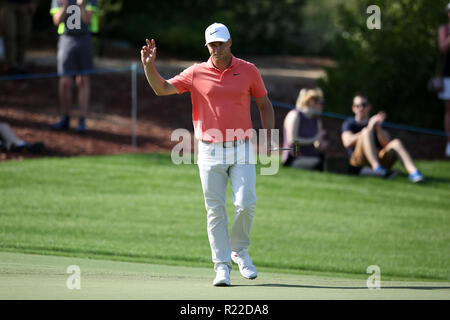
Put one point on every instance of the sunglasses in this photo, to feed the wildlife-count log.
(317, 100)
(364, 104)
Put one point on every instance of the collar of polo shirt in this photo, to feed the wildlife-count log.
(211, 65)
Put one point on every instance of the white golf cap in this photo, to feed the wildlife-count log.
(216, 32)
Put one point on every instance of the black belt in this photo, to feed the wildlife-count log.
(229, 144)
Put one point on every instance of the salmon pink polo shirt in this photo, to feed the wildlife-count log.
(221, 99)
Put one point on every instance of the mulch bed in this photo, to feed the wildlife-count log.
(30, 106)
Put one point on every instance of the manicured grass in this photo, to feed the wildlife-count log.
(44, 277)
(144, 208)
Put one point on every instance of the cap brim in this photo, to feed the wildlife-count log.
(217, 40)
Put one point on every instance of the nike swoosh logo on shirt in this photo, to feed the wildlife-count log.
(236, 74)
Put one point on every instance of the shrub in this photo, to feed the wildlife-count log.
(256, 26)
(392, 65)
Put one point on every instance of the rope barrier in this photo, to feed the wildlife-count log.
(133, 68)
(385, 124)
(66, 74)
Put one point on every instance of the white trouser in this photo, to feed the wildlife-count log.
(217, 164)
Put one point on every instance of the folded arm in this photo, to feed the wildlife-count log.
(292, 124)
(86, 15)
(349, 138)
(60, 15)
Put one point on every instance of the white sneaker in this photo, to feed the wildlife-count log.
(246, 267)
(222, 276)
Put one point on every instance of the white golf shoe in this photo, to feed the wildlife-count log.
(246, 267)
(222, 278)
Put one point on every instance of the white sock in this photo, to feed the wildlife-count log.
(447, 150)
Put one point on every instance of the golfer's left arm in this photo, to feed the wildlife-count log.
(267, 117)
(266, 111)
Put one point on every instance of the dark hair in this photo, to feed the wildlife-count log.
(360, 94)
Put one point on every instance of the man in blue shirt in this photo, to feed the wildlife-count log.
(368, 144)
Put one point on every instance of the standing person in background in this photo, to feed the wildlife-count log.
(303, 126)
(221, 91)
(444, 47)
(75, 54)
(16, 18)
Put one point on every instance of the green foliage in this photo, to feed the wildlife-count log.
(256, 26)
(320, 25)
(391, 65)
(107, 8)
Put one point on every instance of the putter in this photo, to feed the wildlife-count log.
(295, 149)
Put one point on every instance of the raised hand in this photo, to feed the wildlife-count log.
(382, 116)
(376, 119)
(148, 53)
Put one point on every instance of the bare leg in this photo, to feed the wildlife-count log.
(447, 119)
(8, 137)
(368, 145)
(84, 91)
(406, 159)
(65, 95)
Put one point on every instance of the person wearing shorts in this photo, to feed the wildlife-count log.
(444, 47)
(368, 144)
(221, 90)
(16, 19)
(75, 20)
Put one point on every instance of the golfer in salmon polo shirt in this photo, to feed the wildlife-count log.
(221, 90)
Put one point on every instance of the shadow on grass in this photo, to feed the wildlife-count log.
(435, 179)
(283, 285)
(428, 179)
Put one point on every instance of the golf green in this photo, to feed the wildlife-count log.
(41, 277)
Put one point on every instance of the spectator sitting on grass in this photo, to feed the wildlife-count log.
(368, 144)
(10, 142)
(303, 126)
